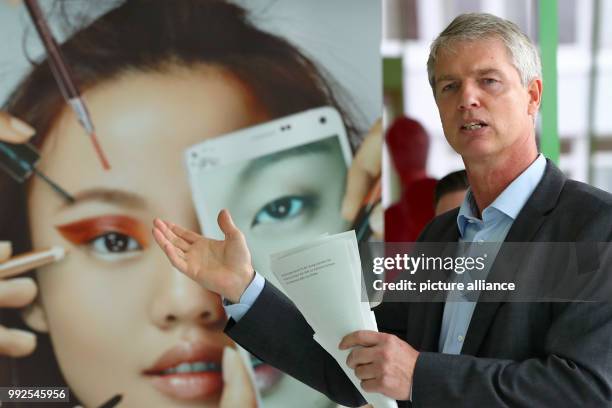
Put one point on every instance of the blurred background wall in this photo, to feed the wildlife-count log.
(584, 75)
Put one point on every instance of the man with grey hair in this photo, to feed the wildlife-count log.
(486, 81)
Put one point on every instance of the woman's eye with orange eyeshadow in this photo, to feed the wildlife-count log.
(109, 237)
(114, 244)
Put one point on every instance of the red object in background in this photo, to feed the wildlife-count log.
(408, 144)
(405, 219)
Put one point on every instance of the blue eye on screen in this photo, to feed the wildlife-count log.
(283, 209)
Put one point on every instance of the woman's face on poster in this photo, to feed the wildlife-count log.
(121, 319)
(281, 199)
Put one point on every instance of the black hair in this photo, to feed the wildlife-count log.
(455, 181)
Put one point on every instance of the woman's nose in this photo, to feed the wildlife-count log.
(181, 301)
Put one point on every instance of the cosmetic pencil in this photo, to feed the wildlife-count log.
(63, 77)
(31, 260)
(112, 402)
(361, 225)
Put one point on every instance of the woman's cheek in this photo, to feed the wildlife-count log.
(85, 298)
(96, 318)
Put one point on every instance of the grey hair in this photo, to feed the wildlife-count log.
(481, 26)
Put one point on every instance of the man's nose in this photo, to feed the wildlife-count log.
(181, 301)
(469, 96)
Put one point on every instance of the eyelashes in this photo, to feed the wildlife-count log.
(449, 87)
(110, 237)
(284, 209)
(111, 245)
(115, 237)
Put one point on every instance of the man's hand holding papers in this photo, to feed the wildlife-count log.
(384, 363)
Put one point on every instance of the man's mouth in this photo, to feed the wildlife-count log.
(473, 125)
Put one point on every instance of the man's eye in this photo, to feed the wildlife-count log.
(282, 209)
(114, 243)
(490, 81)
(449, 87)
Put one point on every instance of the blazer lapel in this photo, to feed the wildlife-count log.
(528, 222)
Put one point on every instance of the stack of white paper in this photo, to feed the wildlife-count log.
(323, 279)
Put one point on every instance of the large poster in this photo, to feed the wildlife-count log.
(113, 317)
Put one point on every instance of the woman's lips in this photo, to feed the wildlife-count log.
(206, 385)
(188, 371)
(190, 386)
(192, 371)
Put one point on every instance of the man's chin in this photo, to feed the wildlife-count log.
(476, 151)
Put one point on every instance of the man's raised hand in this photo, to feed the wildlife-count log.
(221, 266)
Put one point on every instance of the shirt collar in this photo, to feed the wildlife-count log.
(510, 201)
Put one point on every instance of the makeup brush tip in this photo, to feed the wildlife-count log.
(112, 402)
(105, 164)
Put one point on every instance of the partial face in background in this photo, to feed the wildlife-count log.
(449, 201)
(117, 312)
(484, 108)
(282, 199)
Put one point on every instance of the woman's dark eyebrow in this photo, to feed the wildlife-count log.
(108, 195)
(257, 165)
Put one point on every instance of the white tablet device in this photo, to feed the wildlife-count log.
(283, 181)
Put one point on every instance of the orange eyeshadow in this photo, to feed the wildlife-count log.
(85, 230)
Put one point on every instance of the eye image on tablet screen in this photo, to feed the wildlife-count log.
(282, 199)
(283, 185)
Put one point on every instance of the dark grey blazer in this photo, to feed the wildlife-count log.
(514, 354)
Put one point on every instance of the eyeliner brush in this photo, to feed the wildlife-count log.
(54, 185)
(361, 225)
(63, 77)
(19, 161)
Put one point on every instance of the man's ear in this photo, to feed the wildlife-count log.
(534, 90)
(35, 317)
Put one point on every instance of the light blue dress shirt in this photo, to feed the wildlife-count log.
(496, 221)
(250, 295)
